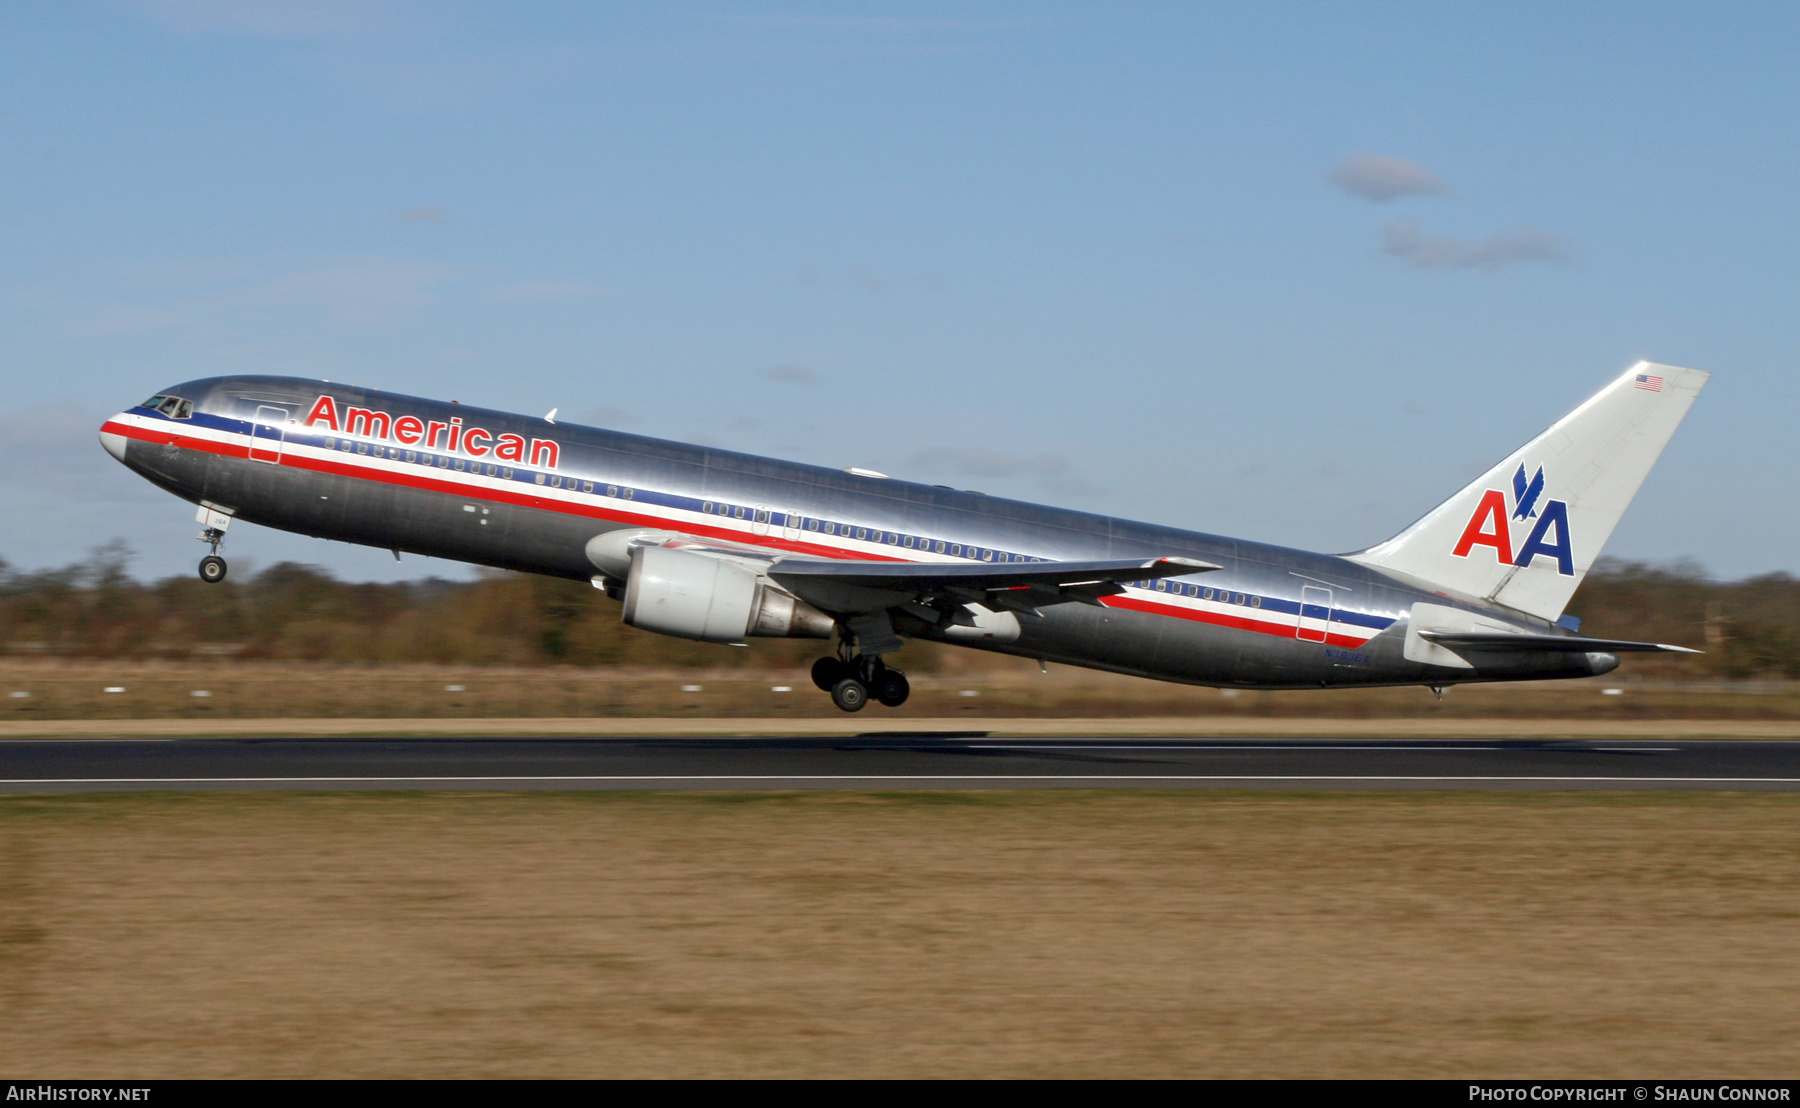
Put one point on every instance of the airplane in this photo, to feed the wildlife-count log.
(719, 546)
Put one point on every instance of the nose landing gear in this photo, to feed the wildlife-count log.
(212, 567)
(852, 682)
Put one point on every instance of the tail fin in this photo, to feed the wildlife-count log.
(1526, 533)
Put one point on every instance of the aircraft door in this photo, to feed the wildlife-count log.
(790, 525)
(1315, 613)
(267, 432)
(759, 522)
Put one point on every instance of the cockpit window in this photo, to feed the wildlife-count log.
(154, 401)
(174, 407)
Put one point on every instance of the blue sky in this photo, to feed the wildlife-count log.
(1289, 272)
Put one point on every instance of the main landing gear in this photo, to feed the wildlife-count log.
(852, 681)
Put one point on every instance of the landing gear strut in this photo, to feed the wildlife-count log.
(853, 681)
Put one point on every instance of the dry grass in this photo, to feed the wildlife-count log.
(838, 724)
(1004, 933)
(1000, 688)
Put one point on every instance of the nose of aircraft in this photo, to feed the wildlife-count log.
(112, 440)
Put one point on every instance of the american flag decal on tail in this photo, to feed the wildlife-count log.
(1648, 383)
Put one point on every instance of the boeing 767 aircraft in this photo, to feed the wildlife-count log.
(717, 546)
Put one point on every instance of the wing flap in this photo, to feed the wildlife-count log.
(981, 576)
(841, 586)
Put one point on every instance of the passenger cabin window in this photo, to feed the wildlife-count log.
(707, 507)
(812, 525)
(629, 493)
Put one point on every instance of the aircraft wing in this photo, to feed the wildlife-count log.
(860, 586)
(1501, 640)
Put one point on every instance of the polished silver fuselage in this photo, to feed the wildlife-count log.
(1271, 617)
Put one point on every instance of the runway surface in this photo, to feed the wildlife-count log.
(889, 760)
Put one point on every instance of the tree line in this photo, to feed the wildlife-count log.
(289, 611)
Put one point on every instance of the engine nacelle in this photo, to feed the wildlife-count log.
(698, 596)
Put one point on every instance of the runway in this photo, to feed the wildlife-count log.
(889, 760)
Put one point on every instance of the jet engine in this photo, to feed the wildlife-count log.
(699, 596)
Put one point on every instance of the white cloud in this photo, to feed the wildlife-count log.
(606, 415)
(1525, 244)
(793, 375)
(56, 448)
(361, 294)
(547, 290)
(1381, 177)
(867, 24)
(268, 19)
(989, 463)
(131, 319)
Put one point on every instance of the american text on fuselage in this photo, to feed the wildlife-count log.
(718, 546)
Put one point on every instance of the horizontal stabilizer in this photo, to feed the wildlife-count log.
(1574, 644)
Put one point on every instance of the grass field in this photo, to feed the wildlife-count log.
(1004, 933)
(36, 690)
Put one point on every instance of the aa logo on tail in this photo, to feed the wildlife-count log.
(1490, 526)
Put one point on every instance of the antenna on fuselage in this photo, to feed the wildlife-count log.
(551, 418)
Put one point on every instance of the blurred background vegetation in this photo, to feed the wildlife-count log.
(292, 612)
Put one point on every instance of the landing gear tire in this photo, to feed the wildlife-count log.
(892, 688)
(827, 672)
(212, 569)
(850, 694)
